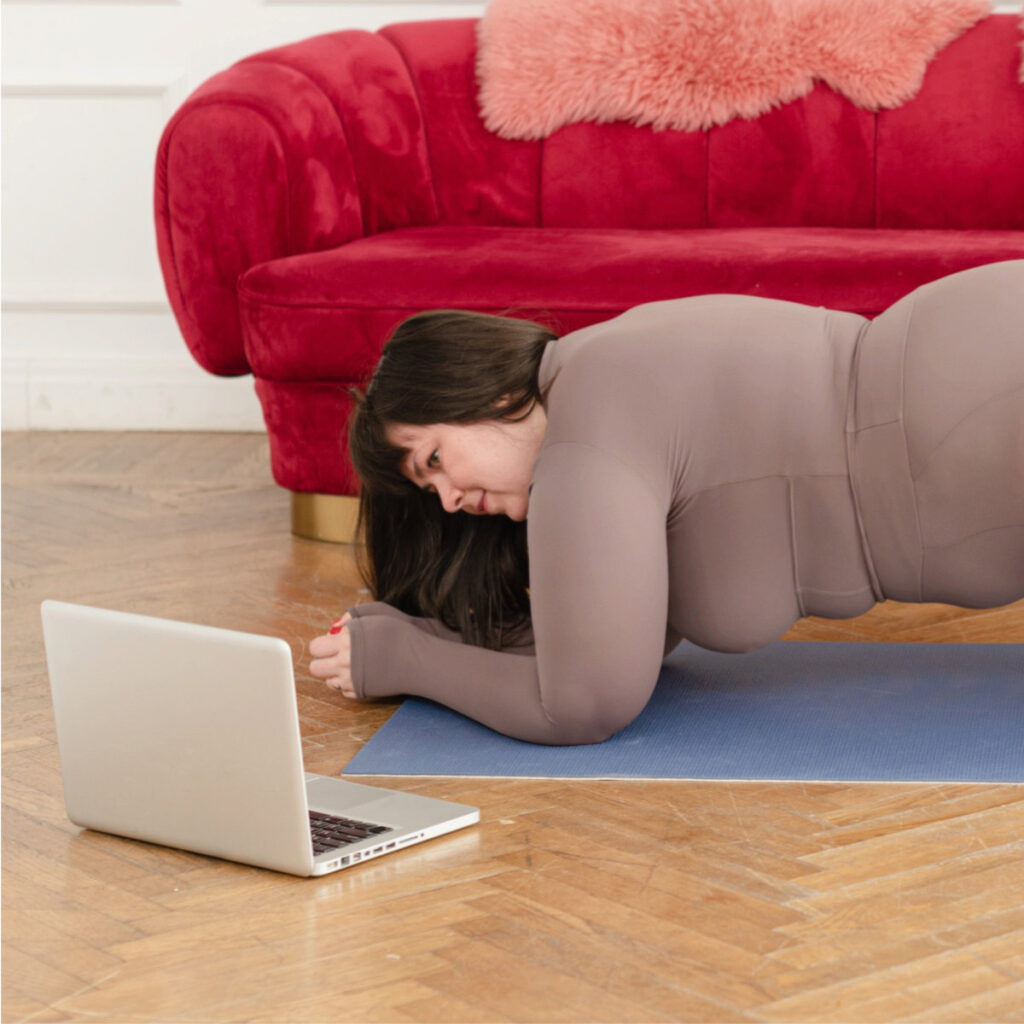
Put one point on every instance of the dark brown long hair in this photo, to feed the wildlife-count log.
(471, 572)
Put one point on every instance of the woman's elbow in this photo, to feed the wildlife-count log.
(596, 720)
(580, 734)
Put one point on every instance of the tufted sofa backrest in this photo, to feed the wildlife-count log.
(952, 157)
(319, 143)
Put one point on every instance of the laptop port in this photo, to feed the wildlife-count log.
(390, 846)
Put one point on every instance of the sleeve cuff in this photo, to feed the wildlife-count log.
(357, 656)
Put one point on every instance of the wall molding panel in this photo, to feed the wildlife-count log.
(63, 304)
(87, 87)
(95, 90)
(79, 160)
(94, 3)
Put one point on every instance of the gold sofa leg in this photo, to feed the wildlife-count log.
(330, 517)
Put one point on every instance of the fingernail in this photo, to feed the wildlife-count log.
(336, 628)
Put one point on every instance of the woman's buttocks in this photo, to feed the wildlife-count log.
(937, 440)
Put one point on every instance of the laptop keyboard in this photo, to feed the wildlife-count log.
(330, 833)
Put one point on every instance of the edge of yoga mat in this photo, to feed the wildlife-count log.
(789, 712)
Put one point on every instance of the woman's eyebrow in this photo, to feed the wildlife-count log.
(417, 473)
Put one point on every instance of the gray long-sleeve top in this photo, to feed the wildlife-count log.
(695, 481)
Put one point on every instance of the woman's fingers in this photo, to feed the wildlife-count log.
(322, 646)
(331, 659)
(339, 624)
(335, 676)
(324, 668)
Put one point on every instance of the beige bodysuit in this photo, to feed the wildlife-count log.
(716, 468)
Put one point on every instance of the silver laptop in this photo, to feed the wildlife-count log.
(188, 736)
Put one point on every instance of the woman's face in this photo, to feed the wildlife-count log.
(480, 468)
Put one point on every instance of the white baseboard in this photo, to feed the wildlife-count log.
(139, 393)
(118, 371)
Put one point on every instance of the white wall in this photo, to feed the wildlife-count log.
(89, 341)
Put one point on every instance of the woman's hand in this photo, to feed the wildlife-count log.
(332, 657)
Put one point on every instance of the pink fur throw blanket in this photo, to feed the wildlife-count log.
(690, 64)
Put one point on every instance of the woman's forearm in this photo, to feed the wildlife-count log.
(391, 656)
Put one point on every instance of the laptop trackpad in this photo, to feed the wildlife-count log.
(375, 804)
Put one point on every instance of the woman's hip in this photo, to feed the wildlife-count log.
(936, 440)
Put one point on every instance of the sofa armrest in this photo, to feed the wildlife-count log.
(297, 149)
(254, 166)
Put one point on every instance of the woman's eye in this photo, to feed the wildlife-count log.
(434, 460)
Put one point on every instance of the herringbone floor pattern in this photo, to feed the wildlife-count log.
(572, 901)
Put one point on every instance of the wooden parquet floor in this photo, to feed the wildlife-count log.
(572, 901)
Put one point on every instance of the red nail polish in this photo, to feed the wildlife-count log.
(334, 629)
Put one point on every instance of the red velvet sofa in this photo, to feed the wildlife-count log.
(312, 196)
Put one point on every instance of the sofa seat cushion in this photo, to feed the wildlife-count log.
(324, 316)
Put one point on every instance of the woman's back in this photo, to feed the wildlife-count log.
(732, 411)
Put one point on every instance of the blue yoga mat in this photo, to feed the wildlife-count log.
(790, 711)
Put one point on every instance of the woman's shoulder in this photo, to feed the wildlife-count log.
(677, 330)
(652, 332)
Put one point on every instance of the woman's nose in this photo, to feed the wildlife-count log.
(451, 497)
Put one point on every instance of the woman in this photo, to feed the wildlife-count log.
(714, 467)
